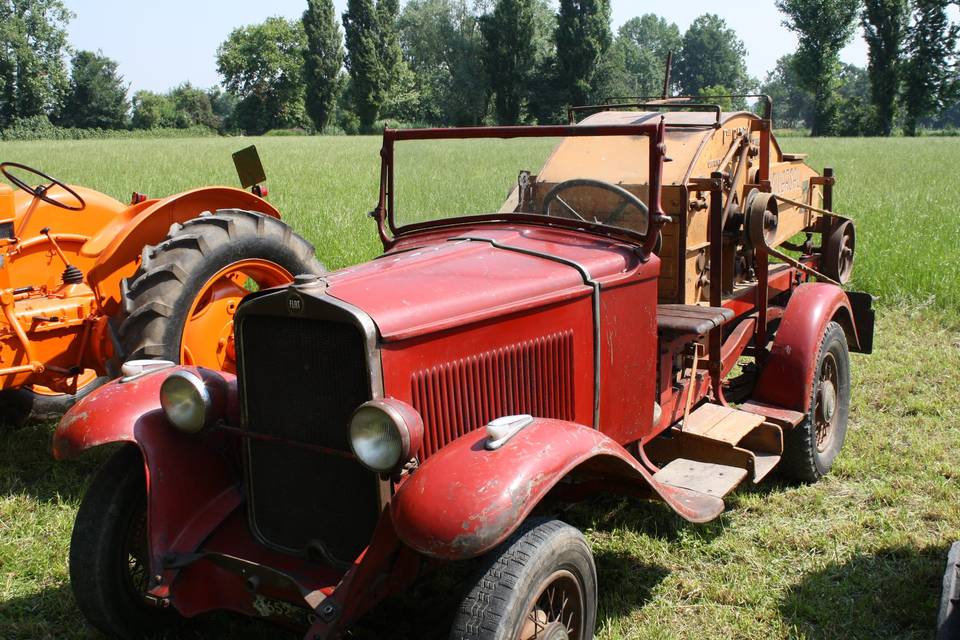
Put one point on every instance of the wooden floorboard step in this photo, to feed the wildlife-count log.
(705, 477)
(721, 423)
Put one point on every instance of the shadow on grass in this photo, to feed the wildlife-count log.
(893, 593)
(27, 466)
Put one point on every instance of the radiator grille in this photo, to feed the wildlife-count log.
(301, 379)
(534, 377)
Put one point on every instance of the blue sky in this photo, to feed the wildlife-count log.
(161, 44)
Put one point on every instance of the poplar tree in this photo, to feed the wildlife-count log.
(583, 37)
(323, 59)
(368, 76)
(885, 24)
(509, 55)
(823, 28)
(931, 66)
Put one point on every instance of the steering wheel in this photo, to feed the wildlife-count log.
(41, 191)
(614, 217)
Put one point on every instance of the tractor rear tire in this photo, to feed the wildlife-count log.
(810, 448)
(160, 297)
(540, 583)
(109, 555)
(20, 407)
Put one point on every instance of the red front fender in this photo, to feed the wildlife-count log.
(787, 376)
(466, 499)
(192, 481)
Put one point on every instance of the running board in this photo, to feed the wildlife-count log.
(722, 437)
(703, 477)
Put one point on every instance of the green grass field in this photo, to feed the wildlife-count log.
(859, 555)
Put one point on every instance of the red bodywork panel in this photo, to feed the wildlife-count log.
(467, 499)
(449, 283)
(787, 377)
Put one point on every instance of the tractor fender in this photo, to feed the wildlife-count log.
(787, 376)
(117, 246)
(466, 499)
(192, 484)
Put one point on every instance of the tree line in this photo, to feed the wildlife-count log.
(460, 62)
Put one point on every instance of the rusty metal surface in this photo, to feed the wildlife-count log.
(466, 499)
(787, 377)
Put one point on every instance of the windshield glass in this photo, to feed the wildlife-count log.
(593, 179)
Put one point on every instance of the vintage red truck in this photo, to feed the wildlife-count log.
(657, 312)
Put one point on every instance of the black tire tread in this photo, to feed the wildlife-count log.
(799, 444)
(116, 490)
(159, 295)
(485, 605)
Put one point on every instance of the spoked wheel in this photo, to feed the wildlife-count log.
(557, 613)
(825, 416)
(109, 556)
(811, 447)
(208, 330)
(541, 584)
(181, 301)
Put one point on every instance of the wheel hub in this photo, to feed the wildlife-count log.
(828, 399)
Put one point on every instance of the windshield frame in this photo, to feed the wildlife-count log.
(385, 212)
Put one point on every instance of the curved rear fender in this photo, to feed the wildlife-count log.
(119, 244)
(787, 376)
(467, 499)
(192, 484)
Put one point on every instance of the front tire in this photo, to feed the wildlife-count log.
(540, 583)
(811, 448)
(179, 304)
(109, 559)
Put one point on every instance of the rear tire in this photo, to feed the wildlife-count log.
(109, 558)
(511, 595)
(160, 297)
(811, 447)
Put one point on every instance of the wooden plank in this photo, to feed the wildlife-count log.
(712, 479)
(722, 423)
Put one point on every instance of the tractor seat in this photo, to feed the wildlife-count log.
(690, 319)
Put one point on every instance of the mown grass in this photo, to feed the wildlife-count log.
(858, 555)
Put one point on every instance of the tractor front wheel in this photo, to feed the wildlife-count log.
(181, 301)
(811, 447)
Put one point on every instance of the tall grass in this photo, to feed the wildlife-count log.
(903, 193)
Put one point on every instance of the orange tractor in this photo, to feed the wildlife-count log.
(88, 283)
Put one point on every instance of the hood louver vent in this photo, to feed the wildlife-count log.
(534, 377)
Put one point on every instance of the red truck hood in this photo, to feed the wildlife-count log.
(456, 281)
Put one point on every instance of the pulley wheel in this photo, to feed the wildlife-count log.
(763, 216)
(838, 250)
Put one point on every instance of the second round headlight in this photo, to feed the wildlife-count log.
(385, 433)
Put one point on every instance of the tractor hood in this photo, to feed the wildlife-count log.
(478, 274)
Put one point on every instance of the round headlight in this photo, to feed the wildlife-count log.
(186, 401)
(385, 433)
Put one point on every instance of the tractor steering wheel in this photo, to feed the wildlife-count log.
(41, 191)
(628, 200)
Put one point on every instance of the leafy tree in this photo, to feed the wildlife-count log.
(930, 70)
(367, 62)
(192, 107)
(263, 65)
(711, 55)
(402, 96)
(152, 110)
(33, 41)
(583, 37)
(646, 41)
(443, 47)
(792, 104)
(97, 97)
(510, 55)
(823, 28)
(885, 24)
(323, 59)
